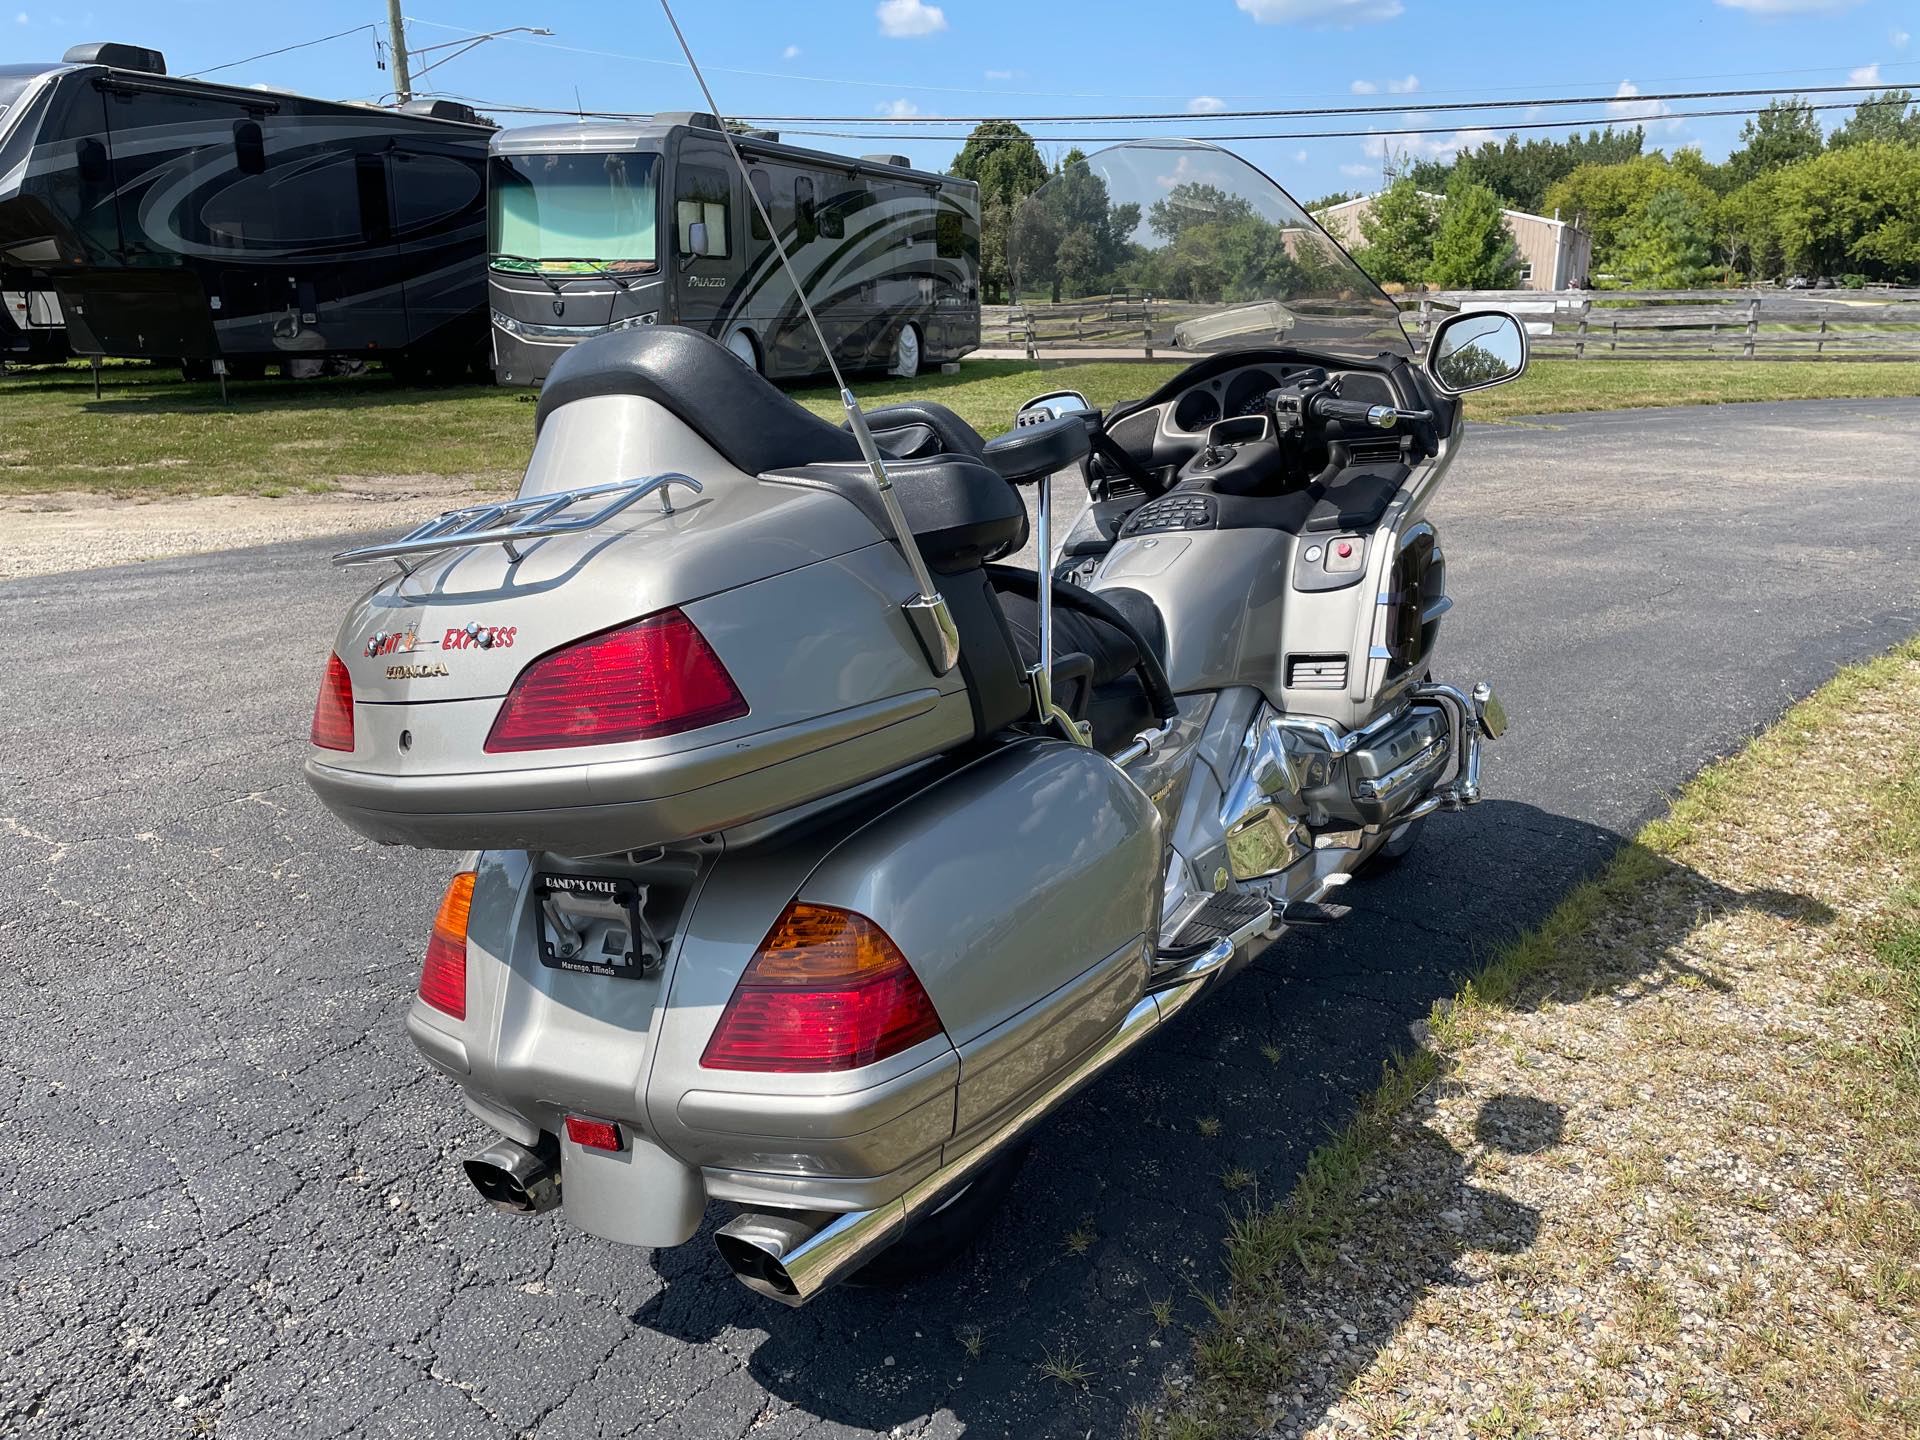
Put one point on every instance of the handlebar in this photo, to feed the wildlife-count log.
(1359, 412)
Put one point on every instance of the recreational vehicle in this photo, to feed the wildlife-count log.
(602, 225)
(182, 219)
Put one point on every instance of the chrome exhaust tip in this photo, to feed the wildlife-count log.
(791, 1256)
(514, 1179)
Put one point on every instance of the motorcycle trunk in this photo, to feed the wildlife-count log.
(621, 889)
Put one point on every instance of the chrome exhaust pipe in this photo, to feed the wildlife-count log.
(514, 1179)
(792, 1255)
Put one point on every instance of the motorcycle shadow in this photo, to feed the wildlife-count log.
(1081, 1303)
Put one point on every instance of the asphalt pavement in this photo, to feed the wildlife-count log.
(231, 1198)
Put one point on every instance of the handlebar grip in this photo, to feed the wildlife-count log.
(1356, 412)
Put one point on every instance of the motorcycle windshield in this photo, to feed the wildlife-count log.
(1180, 245)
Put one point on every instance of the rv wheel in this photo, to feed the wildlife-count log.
(740, 344)
(906, 353)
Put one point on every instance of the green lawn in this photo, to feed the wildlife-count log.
(150, 433)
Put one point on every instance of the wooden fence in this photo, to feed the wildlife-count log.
(1870, 324)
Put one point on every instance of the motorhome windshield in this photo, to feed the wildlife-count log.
(572, 214)
(14, 80)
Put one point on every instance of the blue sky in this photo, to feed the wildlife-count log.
(1016, 57)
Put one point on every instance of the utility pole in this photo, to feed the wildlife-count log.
(397, 30)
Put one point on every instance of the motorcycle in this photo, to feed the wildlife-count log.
(816, 853)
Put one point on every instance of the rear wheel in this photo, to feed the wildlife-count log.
(741, 346)
(938, 1239)
(1400, 843)
(906, 353)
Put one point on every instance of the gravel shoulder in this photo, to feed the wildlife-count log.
(1657, 1171)
(74, 530)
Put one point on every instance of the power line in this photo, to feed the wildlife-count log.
(1221, 115)
(1592, 122)
(898, 85)
(269, 54)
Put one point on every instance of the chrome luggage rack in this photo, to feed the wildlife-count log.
(512, 522)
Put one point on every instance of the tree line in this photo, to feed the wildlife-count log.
(1791, 200)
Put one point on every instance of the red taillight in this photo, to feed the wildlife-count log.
(827, 990)
(657, 676)
(593, 1134)
(333, 711)
(443, 977)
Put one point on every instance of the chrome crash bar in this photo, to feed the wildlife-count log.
(1477, 717)
(513, 522)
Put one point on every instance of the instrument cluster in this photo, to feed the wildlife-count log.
(1225, 397)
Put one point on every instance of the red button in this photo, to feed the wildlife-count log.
(1343, 549)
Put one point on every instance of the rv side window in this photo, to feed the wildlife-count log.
(763, 192)
(806, 222)
(370, 177)
(949, 233)
(249, 147)
(701, 197)
(851, 196)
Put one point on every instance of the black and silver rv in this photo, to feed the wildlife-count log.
(599, 225)
(181, 219)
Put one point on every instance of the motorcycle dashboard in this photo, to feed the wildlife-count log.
(1232, 394)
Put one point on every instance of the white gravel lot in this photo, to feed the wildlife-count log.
(47, 534)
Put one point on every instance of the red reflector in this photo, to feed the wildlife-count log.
(443, 977)
(333, 711)
(827, 990)
(657, 676)
(593, 1134)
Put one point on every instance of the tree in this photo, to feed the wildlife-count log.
(1472, 249)
(1397, 234)
(1003, 161)
(1889, 117)
(1520, 172)
(1855, 210)
(1669, 244)
(1780, 135)
(1605, 199)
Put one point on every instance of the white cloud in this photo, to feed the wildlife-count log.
(1643, 112)
(1424, 147)
(909, 19)
(1206, 105)
(1343, 13)
(1865, 75)
(792, 52)
(1360, 170)
(1789, 7)
(21, 18)
(897, 109)
(1404, 86)
(1300, 157)
(1005, 74)
(1364, 87)
(1899, 38)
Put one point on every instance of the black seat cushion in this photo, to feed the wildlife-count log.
(920, 428)
(1032, 452)
(959, 511)
(738, 413)
(1110, 650)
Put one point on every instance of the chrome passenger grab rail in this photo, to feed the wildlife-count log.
(512, 521)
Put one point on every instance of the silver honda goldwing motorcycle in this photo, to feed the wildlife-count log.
(816, 853)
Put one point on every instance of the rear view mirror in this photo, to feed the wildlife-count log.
(1057, 403)
(1476, 350)
(697, 237)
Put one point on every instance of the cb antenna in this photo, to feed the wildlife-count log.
(927, 611)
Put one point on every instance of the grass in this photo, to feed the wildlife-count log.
(152, 434)
(1813, 803)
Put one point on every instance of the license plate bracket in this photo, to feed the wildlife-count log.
(595, 925)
